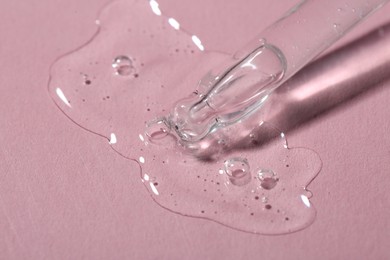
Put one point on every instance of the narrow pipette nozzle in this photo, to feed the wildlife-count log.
(231, 95)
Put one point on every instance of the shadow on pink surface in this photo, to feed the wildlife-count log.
(332, 81)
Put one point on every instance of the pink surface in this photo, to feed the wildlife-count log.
(64, 194)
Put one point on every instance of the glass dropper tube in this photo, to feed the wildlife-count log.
(265, 63)
(311, 27)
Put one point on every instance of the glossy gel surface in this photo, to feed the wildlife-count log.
(123, 83)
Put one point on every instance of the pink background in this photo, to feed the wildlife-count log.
(65, 194)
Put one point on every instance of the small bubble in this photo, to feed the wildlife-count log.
(264, 199)
(237, 170)
(123, 66)
(267, 178)
(157, 129)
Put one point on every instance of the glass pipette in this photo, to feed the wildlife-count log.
(265, 63)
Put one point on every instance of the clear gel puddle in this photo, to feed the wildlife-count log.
(123, 83)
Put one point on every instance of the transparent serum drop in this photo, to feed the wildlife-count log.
(131, 89)
(248, 189)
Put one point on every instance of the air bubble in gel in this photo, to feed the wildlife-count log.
(123, 66)
(133, 105)
(238, 171)
(267, 178)
(157, 129)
